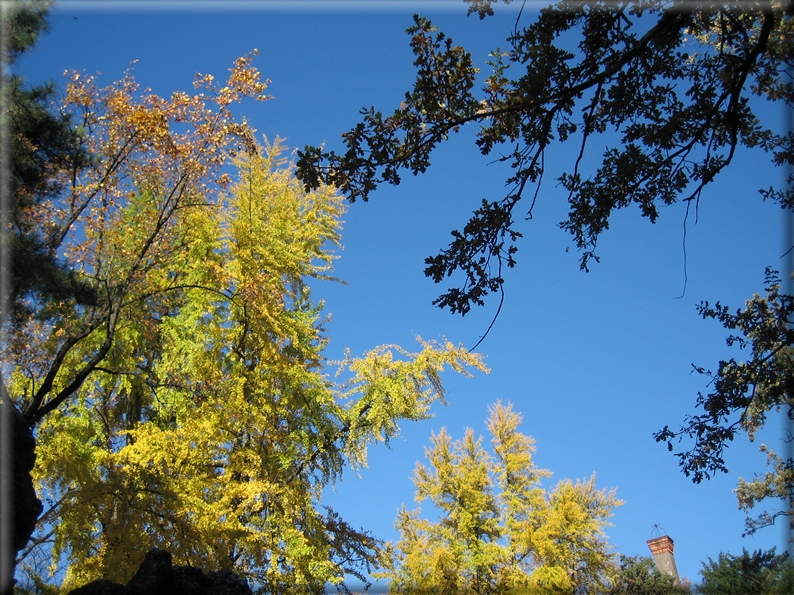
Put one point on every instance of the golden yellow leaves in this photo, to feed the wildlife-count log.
(247, 81)
(209, 426)
(80, 90)
(499, 529)
(174, 148)
(389, 390)
(202, 80)
(244, 81)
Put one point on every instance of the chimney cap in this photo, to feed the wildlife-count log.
(661, 544)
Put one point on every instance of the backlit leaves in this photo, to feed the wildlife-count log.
(117, 216)
(742, 395)
(668, 84)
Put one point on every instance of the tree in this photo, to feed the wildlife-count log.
(499, 530)
(667, 85)
(41, 143)
(743, 394)
(638, 575)
(673, 88)
(189, 406)
(759, 573)
(63, 182)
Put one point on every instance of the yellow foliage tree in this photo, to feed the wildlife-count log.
(190, 408)
(500, 531)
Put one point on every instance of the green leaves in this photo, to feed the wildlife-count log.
(757, 573)
(640, 576)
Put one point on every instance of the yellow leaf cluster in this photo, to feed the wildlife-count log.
(500, 531)
(209, 426)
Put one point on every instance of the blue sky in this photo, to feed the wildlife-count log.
(597, 362)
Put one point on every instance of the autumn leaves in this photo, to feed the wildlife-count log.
(190, 405)
(191, 408)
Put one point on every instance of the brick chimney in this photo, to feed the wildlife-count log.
(662, 550)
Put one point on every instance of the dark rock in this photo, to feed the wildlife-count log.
(101, 587)
(191, 581)
(225, 582)
(157, 576)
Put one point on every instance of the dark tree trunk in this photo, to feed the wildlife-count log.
(25, 506)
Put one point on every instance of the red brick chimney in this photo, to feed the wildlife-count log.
(662, 550)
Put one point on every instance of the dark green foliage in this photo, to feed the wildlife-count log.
(759, 573)
(671, 80)
(26, 23)
(43, 146)
(639, 576)
(742, 392)
(666, 86)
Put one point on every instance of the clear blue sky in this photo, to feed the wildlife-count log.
(597, 362)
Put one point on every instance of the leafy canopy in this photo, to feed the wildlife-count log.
(500, 531)
(742, 395)
(672, 88)
(757, 573)
(667, 85)
(190, 407)
(638, 575)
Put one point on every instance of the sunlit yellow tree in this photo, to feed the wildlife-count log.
(114, 220)
(500, 531)
(191, 407)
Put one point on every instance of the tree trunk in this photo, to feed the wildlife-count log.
(23, 506)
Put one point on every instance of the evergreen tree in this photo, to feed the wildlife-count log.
(759, 573)
(43, 144)
(638, 575)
